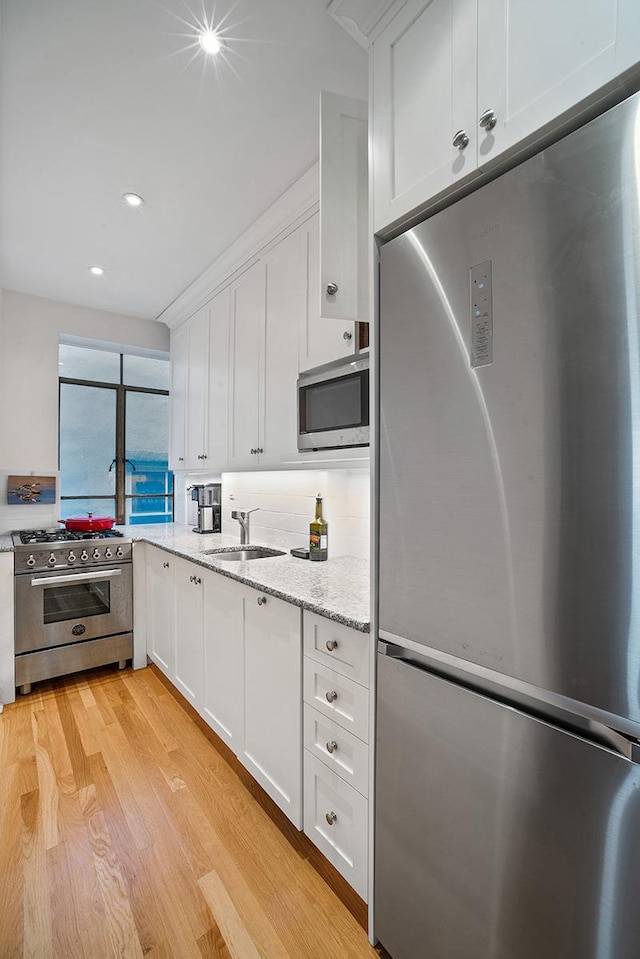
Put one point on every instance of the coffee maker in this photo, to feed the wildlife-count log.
(208, 497)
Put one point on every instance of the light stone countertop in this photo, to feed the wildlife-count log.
(6, 545)
(337, 589)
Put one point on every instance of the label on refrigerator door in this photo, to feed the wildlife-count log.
(481, 315)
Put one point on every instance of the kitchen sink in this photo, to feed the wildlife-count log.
(242, 555)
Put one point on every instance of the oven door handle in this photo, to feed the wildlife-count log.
(78, 578)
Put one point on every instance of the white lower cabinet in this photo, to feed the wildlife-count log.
(272, 727)
(161, 609)
(336, 820)
(223, 658)
(336, 745)
(189, 639)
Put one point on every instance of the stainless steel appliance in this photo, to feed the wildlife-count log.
(73, 602)
(209, 508)
(333, 405)
(508, 710)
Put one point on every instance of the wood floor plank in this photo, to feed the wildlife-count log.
(77, 755)
(37, 923)
(11, 867)
(47, 781)
(232, 927)
(115, 895)
(212, 945)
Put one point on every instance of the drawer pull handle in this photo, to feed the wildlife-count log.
(331, 644)
(332, 746)
(262, 600)
(165, 565)
(331, 696)
(331, 817)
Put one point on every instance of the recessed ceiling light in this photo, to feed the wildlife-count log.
(132, 199)
(96, 270)
(210, 42)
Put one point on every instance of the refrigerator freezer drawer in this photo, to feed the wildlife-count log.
(339, 698)
(336, 821)
(497, 834)
(340, 751)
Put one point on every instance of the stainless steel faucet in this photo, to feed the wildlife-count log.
(242, 515)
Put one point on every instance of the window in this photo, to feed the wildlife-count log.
(113, 435)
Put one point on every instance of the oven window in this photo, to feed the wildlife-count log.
(335, 404)
(76, 601)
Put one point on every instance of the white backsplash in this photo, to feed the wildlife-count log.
(286, 504)
(27, 515)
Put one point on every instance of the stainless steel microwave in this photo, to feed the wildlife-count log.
(333, 405)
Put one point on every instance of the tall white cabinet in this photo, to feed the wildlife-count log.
(458, 83)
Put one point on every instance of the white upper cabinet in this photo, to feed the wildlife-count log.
(197, 389)
(457, 83)
(179, 362)
(245, 356)
(344, 209)
(537, 60)
(424, 92)
(218, 393)
(320, 340)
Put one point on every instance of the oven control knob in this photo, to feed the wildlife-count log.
(31, 561)
(119, 552)
(52, 559)
(84, 556)
(71, 558)
(96, 554)
(107, 553)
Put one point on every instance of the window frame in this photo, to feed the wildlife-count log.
(121, 390)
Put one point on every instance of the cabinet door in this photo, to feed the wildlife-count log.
(218, 403)
(272, 734)
(344, 208)
(189, 630)
(320, 340)
(285, 289)
(424, 91)
(160, 609)
(245, 352)
(223, 656)
(197, 388)
(537, 60)
(178, 396)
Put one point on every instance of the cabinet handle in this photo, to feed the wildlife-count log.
(191, 579)
(252, 452)
(181, 459)
(332, 289)
(262, 600)
(331, 817)
(347, 336)
(165, 565)
(488, 120)
(331, 644)
(331, 696)
(332, 746)
(204, 456)
(197, 580)
(460, 140)
(259, 450)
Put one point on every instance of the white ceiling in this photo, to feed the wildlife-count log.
(100, 97)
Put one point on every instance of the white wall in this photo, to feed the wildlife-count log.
(286, 503)
(30, 328)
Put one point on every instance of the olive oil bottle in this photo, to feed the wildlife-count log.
(318, 534)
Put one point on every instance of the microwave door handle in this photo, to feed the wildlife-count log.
(79, 578)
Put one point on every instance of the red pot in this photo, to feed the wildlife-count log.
(88, 524)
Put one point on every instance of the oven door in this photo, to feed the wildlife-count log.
(55, 608)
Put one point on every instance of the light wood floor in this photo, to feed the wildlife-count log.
(125, 832)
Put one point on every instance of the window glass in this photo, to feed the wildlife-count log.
(147, 468)
(82, 507)
(87, 440)
(81, 363)
(145, 371)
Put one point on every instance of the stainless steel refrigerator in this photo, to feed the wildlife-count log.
(508, 702)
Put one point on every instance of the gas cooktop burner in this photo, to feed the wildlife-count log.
(28, 536)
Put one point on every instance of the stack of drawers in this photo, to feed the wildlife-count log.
(336, 745)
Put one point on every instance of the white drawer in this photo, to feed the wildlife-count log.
(337, 646)
(338, 698)
(337, 749)
(336, 820)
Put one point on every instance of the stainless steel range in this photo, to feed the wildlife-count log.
(73, 602)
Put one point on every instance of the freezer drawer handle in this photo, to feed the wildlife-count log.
(80, 578)
(331, 817)
(331, 696)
